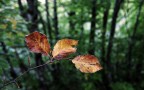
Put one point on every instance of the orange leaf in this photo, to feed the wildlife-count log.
(87, 63)
(63, 48)
(37, 43)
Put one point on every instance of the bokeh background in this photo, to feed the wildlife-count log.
(112, 30)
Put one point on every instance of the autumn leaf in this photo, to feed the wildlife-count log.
(63, 48)
(37, 43)
(87, 63)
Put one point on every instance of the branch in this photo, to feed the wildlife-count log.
(14, 80)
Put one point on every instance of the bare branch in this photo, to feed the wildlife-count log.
(14, 80)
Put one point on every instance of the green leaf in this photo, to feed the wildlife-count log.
(3, 64)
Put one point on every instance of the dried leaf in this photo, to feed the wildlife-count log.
(87, 63)
(63, 48)
(37, 43)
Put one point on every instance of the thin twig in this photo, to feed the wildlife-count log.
(70, 58)
(14, 80)
(17, 84)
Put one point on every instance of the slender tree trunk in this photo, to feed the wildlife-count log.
(31, 15)
(71, 22)
(110, 42)
(48, 21)
(105, 19)
(93, 28)
(40, 72)
(56, 20)
(81, 28)
(132, 40)
(112, 32)
(12, 71)
(41, 20)
(81, 32)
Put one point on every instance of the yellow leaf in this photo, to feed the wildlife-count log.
(87, 63)
(63, 48)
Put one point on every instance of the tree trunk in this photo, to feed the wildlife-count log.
(105, 19)
(48, 22)
(132, 41)
(71, 23)
(81, 36)
(12, 71)
(41, 20)
(110, 42)
(112, 32)
(31, 15)
(93, 28)
(56, 20)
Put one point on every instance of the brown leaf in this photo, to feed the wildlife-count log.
(37, 43)
(87, 63)
(63, 48)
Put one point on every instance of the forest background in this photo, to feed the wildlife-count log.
(112, 30)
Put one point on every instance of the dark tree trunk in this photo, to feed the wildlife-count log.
(56, 20)
(81, 28)
(40, 72)
(93, 28)
(112, 32)
(110, 42)
(71, 22)
(12, 71)
(48, 22)
(105, 19)
(132, 41)
(80, 34)
(41, 20)
(31, 15)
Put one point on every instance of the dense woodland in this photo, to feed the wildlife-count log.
(112, 30)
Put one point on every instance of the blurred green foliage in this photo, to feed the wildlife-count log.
(63, 75)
